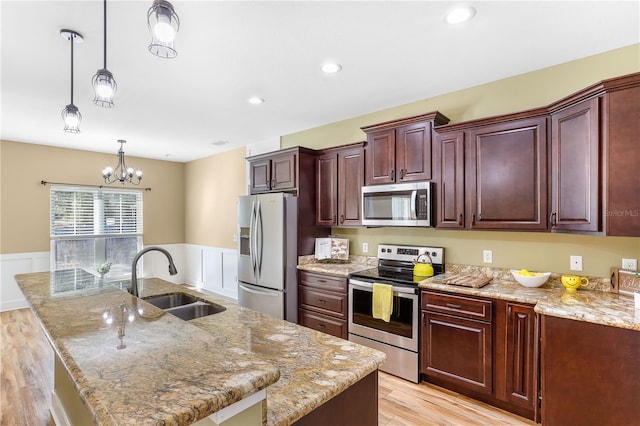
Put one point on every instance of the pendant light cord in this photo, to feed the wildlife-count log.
(105, 34)
(71, 37)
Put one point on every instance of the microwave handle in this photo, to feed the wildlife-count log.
(414, 197)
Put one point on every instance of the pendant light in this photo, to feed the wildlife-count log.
(122, 173)
(163, 26)
(70, 113)
(104, 84)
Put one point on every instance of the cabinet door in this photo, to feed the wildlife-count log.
(575, 172)
(283, 172)
(260, 176)
(380, 156)
(521, 355)
(507, 175)
(448, 176)
(413, 152)
(351, 180)
(457, 350)
(326, 189)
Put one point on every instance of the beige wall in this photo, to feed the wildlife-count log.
(24, 202)
(536, 251)
(212, 187)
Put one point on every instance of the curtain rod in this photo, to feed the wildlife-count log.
(44, 182)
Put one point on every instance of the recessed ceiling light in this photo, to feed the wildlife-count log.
(256, 100)
(331, 68)
(460, 15)
(219, 143)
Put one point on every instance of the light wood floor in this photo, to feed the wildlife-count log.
(26, 380)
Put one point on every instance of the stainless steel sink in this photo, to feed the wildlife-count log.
(184, 306)
(195, 310)
(172, 300)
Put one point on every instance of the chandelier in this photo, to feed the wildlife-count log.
(70, 114)
(121, 173)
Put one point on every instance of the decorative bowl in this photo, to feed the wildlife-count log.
(536, 280)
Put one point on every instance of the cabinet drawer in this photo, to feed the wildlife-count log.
(328, 282)
(323, 301)
(319, 322)
(457, 305)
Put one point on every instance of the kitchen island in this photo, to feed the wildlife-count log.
(168, 371)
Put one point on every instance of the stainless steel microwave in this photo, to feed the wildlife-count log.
(404, 204)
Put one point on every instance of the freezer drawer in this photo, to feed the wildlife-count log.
(261, 299)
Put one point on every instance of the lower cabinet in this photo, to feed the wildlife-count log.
(323, 303)
(589, 374)
(483, 348)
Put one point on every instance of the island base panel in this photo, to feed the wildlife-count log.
(357, 405)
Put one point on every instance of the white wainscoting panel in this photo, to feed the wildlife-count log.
(220, 271)
(11, 296)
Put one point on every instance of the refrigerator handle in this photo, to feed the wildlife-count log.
(252, 238)
(260, 237)
(262, 293)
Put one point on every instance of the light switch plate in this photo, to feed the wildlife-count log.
(365, 247)
(487, 256)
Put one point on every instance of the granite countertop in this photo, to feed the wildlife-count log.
(594, 306)
(203, 365)
(341, 269)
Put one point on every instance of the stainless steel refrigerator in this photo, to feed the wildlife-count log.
(267, 254)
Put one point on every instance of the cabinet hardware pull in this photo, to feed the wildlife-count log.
(460, 220)
(320, 325)
(393, 174)
(473, 219)
(321, 281)
(552, 219)
(454, 306)
(401, 174)
(322, 301)
(341, 218)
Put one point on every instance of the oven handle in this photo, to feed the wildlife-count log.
(364, 285)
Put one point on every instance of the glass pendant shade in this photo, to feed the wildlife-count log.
(72, 119)
(163, 26)
(104, 86)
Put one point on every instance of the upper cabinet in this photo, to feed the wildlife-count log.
(281, 171)
(595, 155)
(400, 150)
(339, 178)
(492, 173)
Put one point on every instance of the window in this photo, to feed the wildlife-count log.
(90, 227)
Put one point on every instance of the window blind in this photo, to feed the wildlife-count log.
(95, 212)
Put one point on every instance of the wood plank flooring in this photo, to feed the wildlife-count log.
(26, 380)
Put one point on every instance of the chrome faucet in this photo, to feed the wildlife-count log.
(134, 273)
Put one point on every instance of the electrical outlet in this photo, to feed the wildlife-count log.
(575, 263)
(487, 256)
(365, 247)
(630, 264)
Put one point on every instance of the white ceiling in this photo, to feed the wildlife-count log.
(392, 53)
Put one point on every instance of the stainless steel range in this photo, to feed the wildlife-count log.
(398, 338)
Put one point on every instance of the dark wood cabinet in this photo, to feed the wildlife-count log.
(448, 178)
(323, 303)
(517, 356)
(492, 173)
(281, 171)
(400, 150)
(456, 347)
(575, 168)
(589, 373)
(340, 176)
(595, 157)
(506, 175)
(484, 348)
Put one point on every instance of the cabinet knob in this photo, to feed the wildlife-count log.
(341, 218)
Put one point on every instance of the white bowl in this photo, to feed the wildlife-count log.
(535, 281)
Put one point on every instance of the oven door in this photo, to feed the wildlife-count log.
(402, 329)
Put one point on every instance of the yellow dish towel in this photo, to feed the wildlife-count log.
(382, 301)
